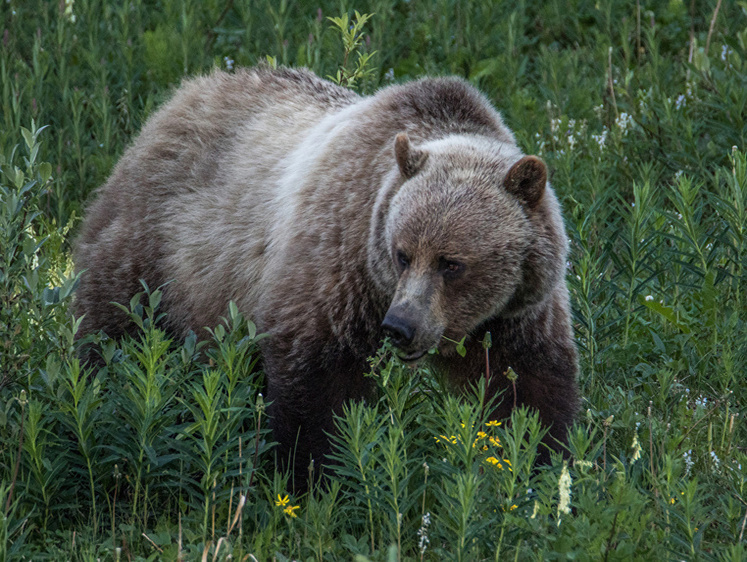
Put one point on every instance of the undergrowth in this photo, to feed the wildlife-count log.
(162, 450)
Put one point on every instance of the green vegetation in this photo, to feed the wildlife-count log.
(640, 110)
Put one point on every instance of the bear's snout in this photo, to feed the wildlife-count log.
(399, 330)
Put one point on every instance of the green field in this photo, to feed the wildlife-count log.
(639, 109)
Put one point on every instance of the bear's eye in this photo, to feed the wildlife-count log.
(451, 269)
(402, 260)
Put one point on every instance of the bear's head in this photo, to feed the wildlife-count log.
(473, 232)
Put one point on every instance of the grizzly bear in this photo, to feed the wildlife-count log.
(334, 220)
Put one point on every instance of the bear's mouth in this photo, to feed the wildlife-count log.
(412, 357)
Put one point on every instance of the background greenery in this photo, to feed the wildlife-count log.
(640, 110)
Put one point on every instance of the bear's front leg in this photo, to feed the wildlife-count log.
(539, 348)
(306, 387)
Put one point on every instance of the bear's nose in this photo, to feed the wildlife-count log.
(400, 331)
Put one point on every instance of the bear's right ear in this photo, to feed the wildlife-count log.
(410, 160)
(527, 180)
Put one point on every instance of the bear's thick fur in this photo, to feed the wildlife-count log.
(333, 220)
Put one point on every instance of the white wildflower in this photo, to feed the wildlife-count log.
(649, 298)
(69, 10)
(624, 122)
(701, 401)
(715, 460)
(680, 101)
(229, 63)
(636, 446)
(688, 456)
(423, 540)
(389, 75)
(725, 52)
(564, 491)
(554, 125)
(601, 139)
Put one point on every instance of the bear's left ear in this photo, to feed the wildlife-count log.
(410, 160)
(527, 180)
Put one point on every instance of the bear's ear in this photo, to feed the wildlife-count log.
(527, 180)
(409, 159)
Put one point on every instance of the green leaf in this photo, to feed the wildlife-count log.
(45, 172)
(666, 312)
(28, 137)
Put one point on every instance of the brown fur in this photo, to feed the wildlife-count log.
(298, 200)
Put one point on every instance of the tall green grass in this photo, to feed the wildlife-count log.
(640, 110)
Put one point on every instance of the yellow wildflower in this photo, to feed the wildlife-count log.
(291, 510)
(282, 501)
(495, 462)
(493, 423)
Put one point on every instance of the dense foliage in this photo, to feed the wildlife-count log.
(639, 109)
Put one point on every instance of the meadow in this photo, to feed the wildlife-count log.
(164, 453)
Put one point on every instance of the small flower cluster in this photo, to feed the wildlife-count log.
(69, 11)
(725, 52)
(688, 456)
(567, 133)
(423, 540)
(564, 491)
(284, 503)
(601, 139)
(484, 441)
(636, 446)
(624, 122)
